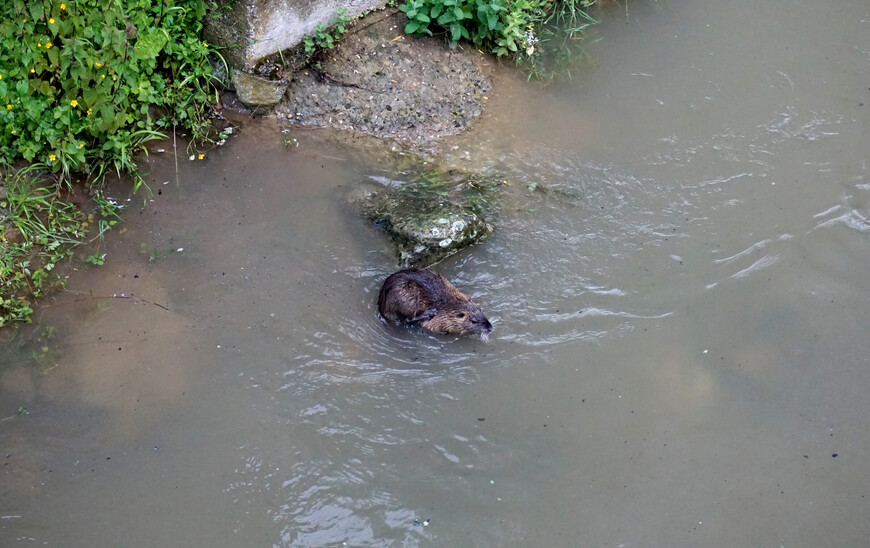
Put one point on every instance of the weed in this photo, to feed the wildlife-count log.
(39, 230)
(325, 38)
(98, 259)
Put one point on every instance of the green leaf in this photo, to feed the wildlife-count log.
(411, 27)
(149, 45)
(36, 10)
(46, 89)
(93, 98)
(422, 17)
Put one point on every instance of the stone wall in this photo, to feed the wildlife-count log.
(254, 30)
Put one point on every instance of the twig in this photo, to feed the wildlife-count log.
(112, 297)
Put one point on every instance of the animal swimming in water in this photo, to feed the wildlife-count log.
(426, 298)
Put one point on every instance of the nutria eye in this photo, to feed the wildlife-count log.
(462, 314)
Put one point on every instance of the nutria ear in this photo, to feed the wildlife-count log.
(427, 314)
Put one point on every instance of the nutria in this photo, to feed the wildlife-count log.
(425, 297)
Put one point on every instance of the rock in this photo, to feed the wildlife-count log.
(254, 91)
(427, 221)
(251, 31)
(383, 83)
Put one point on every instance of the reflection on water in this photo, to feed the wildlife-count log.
(677, 285)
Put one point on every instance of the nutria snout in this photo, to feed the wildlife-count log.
(427, 298)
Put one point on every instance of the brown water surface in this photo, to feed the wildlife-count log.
(680, 354)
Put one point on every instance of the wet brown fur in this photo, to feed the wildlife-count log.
(427, 298)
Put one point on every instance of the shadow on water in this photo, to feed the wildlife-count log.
(677, 284)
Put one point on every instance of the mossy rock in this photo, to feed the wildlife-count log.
(427, 218)
(254, 91)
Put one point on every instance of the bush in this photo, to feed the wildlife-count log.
(501, 26)
(84, 83)
(540, 34)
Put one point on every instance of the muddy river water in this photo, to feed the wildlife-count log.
(678, 283)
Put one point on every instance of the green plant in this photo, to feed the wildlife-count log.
(97, 259)
(561, 34)
(325, 38)
(38, 230)
(524, 29)
(498, 25)
(84, 84)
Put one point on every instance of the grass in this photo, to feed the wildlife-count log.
(558, 43)
(40, 229)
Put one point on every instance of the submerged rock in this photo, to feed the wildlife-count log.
(427, 220)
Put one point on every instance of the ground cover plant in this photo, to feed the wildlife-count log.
(83, 85)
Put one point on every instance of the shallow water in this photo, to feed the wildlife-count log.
(678, 285)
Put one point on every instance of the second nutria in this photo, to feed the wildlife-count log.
(426, 297)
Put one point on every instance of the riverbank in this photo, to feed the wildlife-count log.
(414, 92)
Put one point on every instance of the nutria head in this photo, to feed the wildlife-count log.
(463, 319)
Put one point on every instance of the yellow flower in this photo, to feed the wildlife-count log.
(74, 103)
(39, 44)
(98, 65)
(201, 156)
(51, 21)
(1, 76)
(205, 45)
(32, 71)
(48, 45)
(102, 76)
(81, 145)
(62, 6)
(52, 157)
(89, 112)
(9, 107)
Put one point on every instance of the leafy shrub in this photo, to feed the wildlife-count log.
(540, 34)
(499, 25)
(84, 83)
